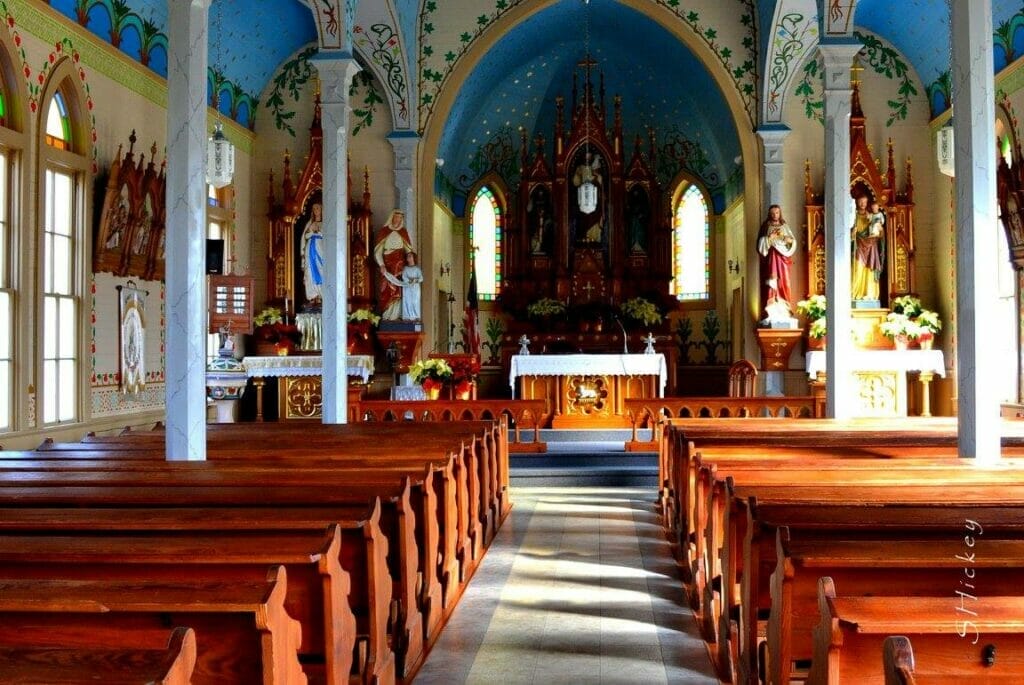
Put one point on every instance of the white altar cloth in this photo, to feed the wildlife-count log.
(883, 360)
(590, 365)
(304, 365)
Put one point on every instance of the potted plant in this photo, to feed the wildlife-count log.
(641, 311)
(907, 305)
(545, 310)
(814, 309)
(899, 328)
(929, 324)
(465, 372)
(361, 323)
(431, 374)
(272, 335)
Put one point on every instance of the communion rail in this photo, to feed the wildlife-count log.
(648, 412)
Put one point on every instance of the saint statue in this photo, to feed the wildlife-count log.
(389, 247)
(588, 224)
(412, 277)
(868, 235)
(776, 245)
(312, 255)
(636, 220)
(539, 214)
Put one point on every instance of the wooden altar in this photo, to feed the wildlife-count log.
(866, 178)
(588, 390)
(289, 218)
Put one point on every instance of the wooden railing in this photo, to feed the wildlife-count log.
(522, 415)
(648, 412)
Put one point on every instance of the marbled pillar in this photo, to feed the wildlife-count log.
(186, 243)
(336, 72)
(975, 164)
(772, 143)
(405, 144)
(838, 58)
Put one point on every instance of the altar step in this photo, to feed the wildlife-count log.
(585, 458)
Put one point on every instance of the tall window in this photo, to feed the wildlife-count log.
(218, 222)
(6, 303)
(691, 247)
(60, 303)
(64, 167)
(485, 239)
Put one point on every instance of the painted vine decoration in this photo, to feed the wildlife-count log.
(790, 42)
(678, 153)
(362, 82)
(814, 106)
(500, 154)
(382, 42)
(288, 82)
(886, 61)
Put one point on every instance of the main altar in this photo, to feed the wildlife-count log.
(299, 382)
(588, 390)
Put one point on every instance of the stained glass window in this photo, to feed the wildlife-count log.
(691, 247)
(58, 125)
(485, 239)
(60, 301)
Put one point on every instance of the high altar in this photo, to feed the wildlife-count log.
(591, 261)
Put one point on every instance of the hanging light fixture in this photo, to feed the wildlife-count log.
(586, 196)
(220, 153)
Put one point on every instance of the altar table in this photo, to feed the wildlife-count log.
(881, 378)
(588, 390)
(299, 388)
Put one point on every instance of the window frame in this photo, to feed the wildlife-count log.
(219, 212)
(499, 195)
(681, 186)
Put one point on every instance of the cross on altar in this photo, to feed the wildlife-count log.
(589, 287)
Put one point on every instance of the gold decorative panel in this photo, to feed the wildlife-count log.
(587, 395)
(302, 398)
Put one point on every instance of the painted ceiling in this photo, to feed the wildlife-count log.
(662, 84)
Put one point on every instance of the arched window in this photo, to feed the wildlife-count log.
(63, 170)
(12, 277)
(691, 247)
(485, 241)
(6, 299)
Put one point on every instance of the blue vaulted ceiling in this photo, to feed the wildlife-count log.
(662, 84)
(920, 30)
(248, 39)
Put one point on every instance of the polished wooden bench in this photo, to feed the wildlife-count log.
(172, 665)
(984, 646)
(902, 567)
(243, 633)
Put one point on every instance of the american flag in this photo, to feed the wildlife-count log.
(471, 317)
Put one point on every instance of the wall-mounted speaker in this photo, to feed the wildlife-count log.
(214, 256)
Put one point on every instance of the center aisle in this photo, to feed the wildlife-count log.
(579, 586)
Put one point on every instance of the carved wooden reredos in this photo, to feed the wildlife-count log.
(564, 263)
(130, 236)
(867, 178)
(1010, 189)
(288, 218)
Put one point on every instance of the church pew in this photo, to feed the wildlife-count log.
(905, 567)
(986, 645)
(172, 665)
(748, 550)
(213, 487)
(243, 633)
(319, 586)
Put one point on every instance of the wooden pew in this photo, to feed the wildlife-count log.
(904, 567)
(986, 646)
(172, 665)
(319, 584)
(243, 632)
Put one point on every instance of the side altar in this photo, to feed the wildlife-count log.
(588, 390)
(300, 382)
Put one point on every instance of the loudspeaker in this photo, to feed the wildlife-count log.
(214, 256)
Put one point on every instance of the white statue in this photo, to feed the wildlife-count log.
(524, 345)
(312, 256)
(412, 277)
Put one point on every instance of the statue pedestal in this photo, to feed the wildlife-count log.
(407, 343)
(866, 333)
(776, 346)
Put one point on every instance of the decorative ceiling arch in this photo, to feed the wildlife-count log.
(793, 34)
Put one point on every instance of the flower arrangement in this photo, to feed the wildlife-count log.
(641, 310)
(814, 307)
(926, 321)
(271, 328)
(430, 373)
(268, 316)
(364, 315)
(817, 329)
(545, 306)
(465, 369)
(907, 305)
(899, 326)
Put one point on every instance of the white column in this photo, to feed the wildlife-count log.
(772, 142)
(186, 243)
(839, 388)
(975, 163)
(405, 144)
(336, 72)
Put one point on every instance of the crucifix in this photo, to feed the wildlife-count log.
(589, 287)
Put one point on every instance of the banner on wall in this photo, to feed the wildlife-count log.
(132, 338)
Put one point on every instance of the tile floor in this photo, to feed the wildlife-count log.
(578, 587)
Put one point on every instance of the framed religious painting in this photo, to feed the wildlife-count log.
(132, 338)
